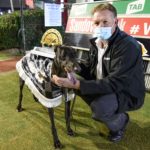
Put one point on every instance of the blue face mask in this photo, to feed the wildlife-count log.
(103, 33)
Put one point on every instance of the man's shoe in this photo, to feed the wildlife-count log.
(118, 135)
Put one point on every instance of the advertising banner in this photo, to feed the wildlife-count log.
(133, 17)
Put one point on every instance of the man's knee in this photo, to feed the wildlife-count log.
(103, 107)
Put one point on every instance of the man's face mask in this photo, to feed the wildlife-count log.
(104, 33)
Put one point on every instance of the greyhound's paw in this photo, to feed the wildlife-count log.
(58, 145)
(20, 109)
(70, 132)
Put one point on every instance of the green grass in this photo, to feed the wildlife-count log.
(5, 55)
(8, 54)
(30, 129)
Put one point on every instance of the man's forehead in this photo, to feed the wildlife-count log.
(103, 13)
(103, 17)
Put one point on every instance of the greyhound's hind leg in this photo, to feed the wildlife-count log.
(21, 84)
(57, 143)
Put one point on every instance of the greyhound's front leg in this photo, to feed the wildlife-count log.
(67, 114)
(57, 143)
(21, 84)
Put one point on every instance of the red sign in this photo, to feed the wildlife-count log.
(79, 25)
(137, 27)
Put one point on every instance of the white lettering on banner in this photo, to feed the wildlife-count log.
(134, 29)
(77, 10)
(122, 24)
(136, 6)
(135, 26)
(146, 28)
(84, 25)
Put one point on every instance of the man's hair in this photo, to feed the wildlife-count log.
(105, 6)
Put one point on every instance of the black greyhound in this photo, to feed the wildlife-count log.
(65, 57)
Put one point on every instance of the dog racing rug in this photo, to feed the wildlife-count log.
(35, 70)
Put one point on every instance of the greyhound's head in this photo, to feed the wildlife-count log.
(65, 60)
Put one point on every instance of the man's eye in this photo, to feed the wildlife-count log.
(105, 22)
(96, 23)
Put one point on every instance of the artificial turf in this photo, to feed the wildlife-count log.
(30, 129)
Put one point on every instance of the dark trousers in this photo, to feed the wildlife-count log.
(104, 109)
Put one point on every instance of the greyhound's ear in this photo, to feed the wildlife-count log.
(57, 53)
(55, 49)
(58, 47)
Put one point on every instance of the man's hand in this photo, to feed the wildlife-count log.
(65, 82)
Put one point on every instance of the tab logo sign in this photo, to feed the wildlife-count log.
(136, 6)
